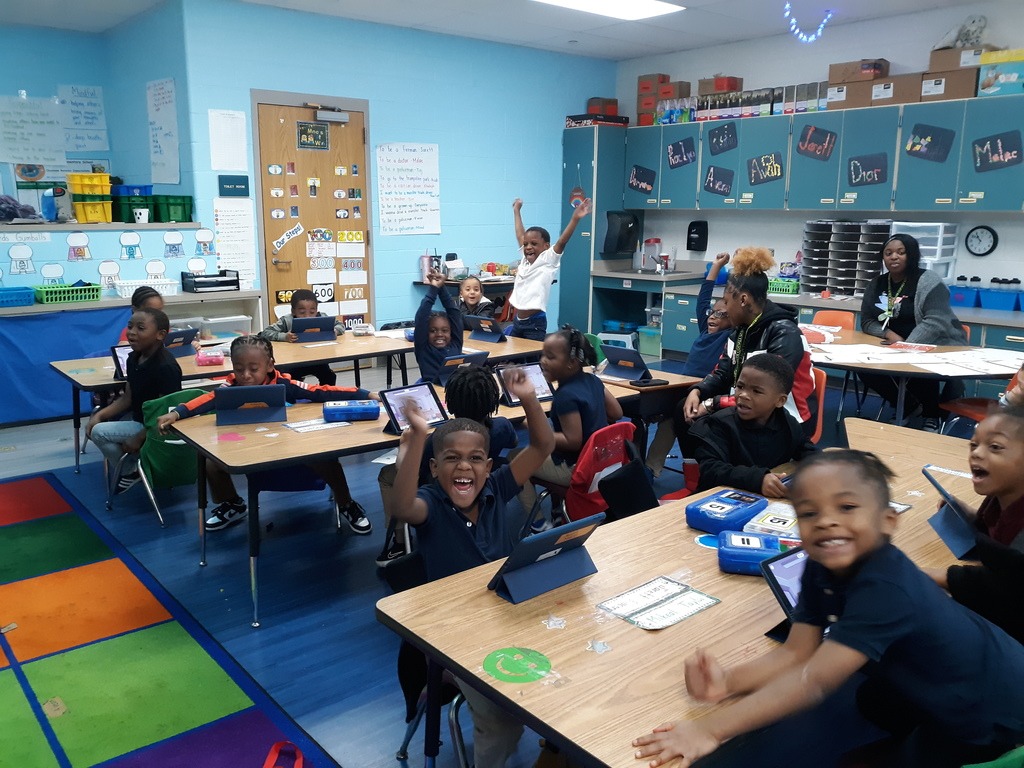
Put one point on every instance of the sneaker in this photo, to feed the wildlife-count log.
(931, 424)
(392, 553)
(541, 525)
(127, 481)
(226, 514)
(356, 517)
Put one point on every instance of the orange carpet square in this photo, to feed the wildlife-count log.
(76, 606)
(29, 499)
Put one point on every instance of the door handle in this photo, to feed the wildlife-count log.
(276, 261)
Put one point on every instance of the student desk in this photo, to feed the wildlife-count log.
(653, 401)
(512, 347)
(902, 372)
(594, 704)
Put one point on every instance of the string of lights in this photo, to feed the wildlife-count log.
(799, 34)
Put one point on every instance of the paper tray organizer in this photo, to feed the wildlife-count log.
(225, 280)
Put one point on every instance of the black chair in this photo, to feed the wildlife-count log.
(628, 489)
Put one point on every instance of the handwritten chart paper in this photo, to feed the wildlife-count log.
(30, 131)
(235, 236)
(163, 131)
(84, 118)
(408, 189)
(228, 140)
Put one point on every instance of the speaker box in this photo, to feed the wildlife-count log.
(697, 236)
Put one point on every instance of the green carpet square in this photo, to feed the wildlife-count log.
(133, 690)
(47, 545)
(22, 741)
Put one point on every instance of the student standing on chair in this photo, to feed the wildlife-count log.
(462, 520)
(580, 407)
(758, 325)
(304, 304)
(436, 335)
(252, 364)
(909, 303)
(152, 372)
(537, 270)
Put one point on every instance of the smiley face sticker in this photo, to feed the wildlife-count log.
(517, 665)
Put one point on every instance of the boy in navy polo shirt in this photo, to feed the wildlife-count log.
(462, 521)
(436, 334)
(944, 680)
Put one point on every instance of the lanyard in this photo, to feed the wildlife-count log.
(738, 353)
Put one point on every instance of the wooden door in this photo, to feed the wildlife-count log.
(315, 215)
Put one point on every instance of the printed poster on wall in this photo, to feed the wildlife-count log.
(163, 131)
(408, 189)
(234, 226)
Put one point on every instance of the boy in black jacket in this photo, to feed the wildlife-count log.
(737, 446)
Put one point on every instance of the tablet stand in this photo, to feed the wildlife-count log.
(544, 575)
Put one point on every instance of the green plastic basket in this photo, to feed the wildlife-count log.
(784, 286)
(65, 294)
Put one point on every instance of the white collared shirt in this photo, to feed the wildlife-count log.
(533, 281)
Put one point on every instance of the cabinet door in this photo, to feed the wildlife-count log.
(930, 144)
(991, 169)
(814, 161)
(578, 149)
(643, 167)
(720, 164)
(680, 166)
(679, 322)
(867, 172)
(764, 160)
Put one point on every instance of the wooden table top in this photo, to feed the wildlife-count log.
(675, 381)
(600, 702)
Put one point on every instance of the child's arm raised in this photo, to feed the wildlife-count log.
(583, 209)
(517, 216)
(405, 505)
(542, 439)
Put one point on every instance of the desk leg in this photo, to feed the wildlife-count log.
(76, 423)
(901, 396)
(403, 366)
(432, 730)
(355, 363)
(387, 370)
(201, 496)
(254, 552)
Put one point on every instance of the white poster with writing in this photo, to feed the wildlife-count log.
(31, 131)
(163, 131)
(235, 238)
(84, 118)
(408, 189)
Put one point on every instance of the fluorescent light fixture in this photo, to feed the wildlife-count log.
(627, 10)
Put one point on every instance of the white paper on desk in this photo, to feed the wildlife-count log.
(905, 358)
(849, 353)
(822, 328)
(1005, 358)
(397, 333)
(946, 369)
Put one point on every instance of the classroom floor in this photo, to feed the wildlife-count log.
(320, 652)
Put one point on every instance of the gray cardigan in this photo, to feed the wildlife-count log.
(936, 323)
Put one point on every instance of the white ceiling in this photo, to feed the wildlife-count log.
(524, 22)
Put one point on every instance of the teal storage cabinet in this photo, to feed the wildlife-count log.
(868, 169)
(992, 161)
(930, 146)
(815, 152)
(764, 163)
(592, 158)
(678, 322)
(680, 165)
(643, 167)
(720, 164)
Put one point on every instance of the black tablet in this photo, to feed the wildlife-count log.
(314, 328)
(534, 374)
(423, 395)
(120, 355)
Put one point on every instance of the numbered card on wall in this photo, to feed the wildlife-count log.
(324, 292)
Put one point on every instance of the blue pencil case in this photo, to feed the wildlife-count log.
(724, 511)
(351, 410)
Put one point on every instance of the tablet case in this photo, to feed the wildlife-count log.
(249, 405)
(484, 328)
(742, 552)
(179, 342)
(453, 362)
(351, 410)
(624, 363)
(313, 329)
(724, 511)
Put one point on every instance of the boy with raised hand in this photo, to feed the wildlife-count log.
(462, 520)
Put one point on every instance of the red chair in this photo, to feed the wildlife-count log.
(820, 384)
(973, 408)
(848, 322)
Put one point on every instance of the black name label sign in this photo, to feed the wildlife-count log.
(817, 143)
(765, 168)
(999, 151)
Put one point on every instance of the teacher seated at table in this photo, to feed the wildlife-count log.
(909, 303)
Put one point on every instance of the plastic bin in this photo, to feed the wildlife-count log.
(125, 288)
(225, 328)
(994, 299)
(89, 184)
(654, 317)
(171, 208)
(650, 340)
(65, 294)
(131, 190)
(180, 323)
(124, 207)
(963, 297)
(17, 297)
(619, 339)
(779, 286)
(93, 212)
(618, 326)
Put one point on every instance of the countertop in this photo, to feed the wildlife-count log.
(621, 269)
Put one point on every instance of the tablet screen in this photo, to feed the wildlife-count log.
(425, 398)
(120, 355)
(535, 375)
(783, 573)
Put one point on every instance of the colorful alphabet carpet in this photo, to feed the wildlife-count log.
(99, 665)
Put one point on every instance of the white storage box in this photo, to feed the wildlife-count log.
(125, 288)
(619, 339)
(225, 328)
(187, 322)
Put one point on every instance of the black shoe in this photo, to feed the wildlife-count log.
(356, 518)
(392, 553)
(226, 514)
(932, 424)
(126, 481)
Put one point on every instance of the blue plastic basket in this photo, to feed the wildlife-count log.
(963, 297)
(994, 299)
(131, 190)
(17, 297)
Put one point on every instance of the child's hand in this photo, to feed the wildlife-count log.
(93, 421)
(417, 423)
(705, 678)
(518, 384)
(435, 278)
(1015, 395)
(291, 337)
(692, 408)
(687, 740)
(374, 396)
(721, 260)
(583, 209)
(773, 487)
(517, 205)
(163, 423)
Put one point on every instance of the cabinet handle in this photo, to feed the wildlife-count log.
(652, 201)
(943, 200)
(1016, 339)
(666, 202)
(684, 302)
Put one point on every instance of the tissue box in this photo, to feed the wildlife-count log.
(209, 357)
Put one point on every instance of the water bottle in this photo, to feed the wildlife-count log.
(424, 266)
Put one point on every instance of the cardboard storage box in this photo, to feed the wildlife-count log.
(898, 89)
(599, 105)
(648, 84)
(849, 95)
(1001, 79)
(645, 118)
(998, 57)
(719, 84)
(856, 71)
(647, 102)
(955, 84)
(947, 59)
(679, 89)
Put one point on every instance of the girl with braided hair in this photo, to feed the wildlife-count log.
(580, 407)
(252, 363)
